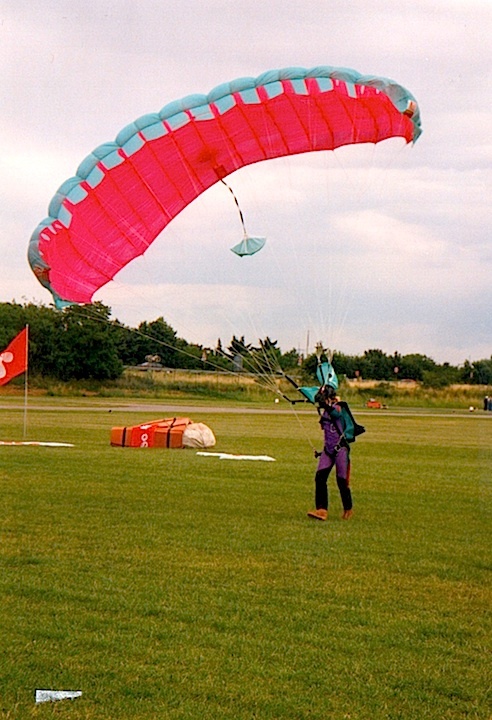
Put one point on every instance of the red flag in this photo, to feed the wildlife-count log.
(13, 360)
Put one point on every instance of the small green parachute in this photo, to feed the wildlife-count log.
(248, 245)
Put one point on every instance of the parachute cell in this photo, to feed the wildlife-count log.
(126, 192)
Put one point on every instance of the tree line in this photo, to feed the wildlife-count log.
(82, 342)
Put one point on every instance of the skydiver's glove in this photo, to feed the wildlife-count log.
(317, 454)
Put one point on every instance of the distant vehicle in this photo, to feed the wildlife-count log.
(375, 404)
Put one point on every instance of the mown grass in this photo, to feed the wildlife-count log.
(167, 585)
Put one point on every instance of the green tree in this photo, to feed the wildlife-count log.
(45, 326)
(290, 360)
(190, 356)
(345, 364)
(481, 372)
(125, 342)
(375, 365)
(45, 331)
(414, 365)
(239, 346)
(85, 345)
(156, 338)
(12, 321)
(239, 352)
(266, 358)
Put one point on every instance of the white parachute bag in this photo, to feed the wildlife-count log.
(198, 435)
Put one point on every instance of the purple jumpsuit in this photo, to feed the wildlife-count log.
(335, 454)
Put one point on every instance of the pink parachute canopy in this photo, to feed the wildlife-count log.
(126, 192)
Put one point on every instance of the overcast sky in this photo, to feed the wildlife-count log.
(386, 247)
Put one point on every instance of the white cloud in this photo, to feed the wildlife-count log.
(385, 246)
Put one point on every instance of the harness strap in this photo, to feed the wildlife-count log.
(168, 434)
(342, 443)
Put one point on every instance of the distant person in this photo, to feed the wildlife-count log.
(490, 403)
(339, 429)
(486, 402)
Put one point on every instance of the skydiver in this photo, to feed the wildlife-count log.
(339, 429)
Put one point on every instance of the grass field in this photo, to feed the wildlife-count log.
(167, 585)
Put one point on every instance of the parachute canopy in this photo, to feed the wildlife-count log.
(326, 376)
(126, 192)
(249, 246)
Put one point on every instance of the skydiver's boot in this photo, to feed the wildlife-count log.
(319, 514)
(347, 514)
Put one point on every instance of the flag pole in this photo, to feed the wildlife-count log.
(25, 382)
